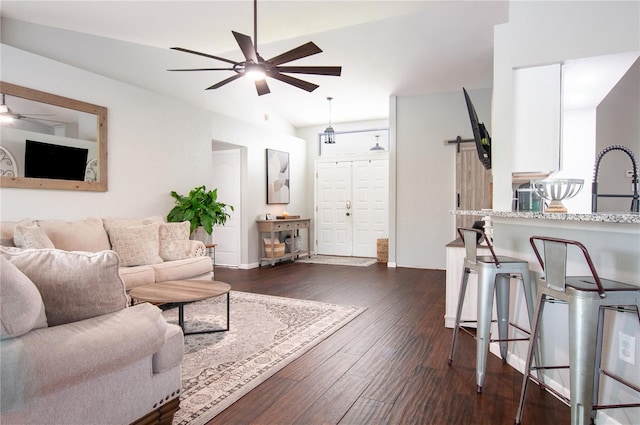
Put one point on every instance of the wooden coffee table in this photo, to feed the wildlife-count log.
(181, 292)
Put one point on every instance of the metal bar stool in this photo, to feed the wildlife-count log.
(587, 298)
(494, 273)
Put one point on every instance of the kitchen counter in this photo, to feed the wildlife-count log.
(609, 217)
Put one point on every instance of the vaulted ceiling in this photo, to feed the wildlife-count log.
(385, 48)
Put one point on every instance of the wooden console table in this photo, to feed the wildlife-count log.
(275, 228)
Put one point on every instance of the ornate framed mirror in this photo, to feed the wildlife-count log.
(56, 142)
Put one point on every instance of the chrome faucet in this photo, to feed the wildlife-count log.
(635, 201)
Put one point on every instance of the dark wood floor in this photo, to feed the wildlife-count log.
(389, 365)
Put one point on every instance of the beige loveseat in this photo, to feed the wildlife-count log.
(72, 352)
(150, 249)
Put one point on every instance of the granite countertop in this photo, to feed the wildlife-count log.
(612, 217)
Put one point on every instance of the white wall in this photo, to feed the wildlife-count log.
(578, 153)
(153, 141)
(254, 171)
(156, 144)
(618, 123)
(543, 32)
(425, 172)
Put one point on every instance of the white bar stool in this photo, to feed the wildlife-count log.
(587, 298)
(494, 274)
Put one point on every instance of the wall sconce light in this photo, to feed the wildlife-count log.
(329, 134)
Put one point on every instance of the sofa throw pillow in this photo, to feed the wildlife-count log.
(74, 285)
(7, 229)
(21, 306)
(31, 237)
(110, 223)
(81, 235)
(174, 240)
(136, 245)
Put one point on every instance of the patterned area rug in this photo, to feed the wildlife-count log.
(266, 334)
(338, 261)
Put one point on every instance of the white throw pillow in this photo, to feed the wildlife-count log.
(31, 237)
(8, 227)
(74, 285)
(81, 235)
(174, 240)
(110, 223)
(136, 245)
(21, 306)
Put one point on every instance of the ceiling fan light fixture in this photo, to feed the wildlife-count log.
(329, 133)
(6, 118)
(6, 115)
(255, 72)
(256, 68)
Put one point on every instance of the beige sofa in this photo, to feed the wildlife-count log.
(72, 352)
(150, 250)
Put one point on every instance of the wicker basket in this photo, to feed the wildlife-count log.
(277, 249)
(383, 250)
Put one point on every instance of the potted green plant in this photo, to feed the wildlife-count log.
(201, 208)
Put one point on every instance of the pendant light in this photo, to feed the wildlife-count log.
(377, 147)
(329, 134)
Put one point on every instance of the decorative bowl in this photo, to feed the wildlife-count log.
(556, 191)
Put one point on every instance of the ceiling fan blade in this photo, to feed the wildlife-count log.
(304, 85)
(316, 70)
(33, 115)
(39, 120)
(298, 53)
(204, 69)
(246, 45)
(262, 87)
(223, 82)
(206, 55)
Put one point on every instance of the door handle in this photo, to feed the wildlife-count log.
(348, 205)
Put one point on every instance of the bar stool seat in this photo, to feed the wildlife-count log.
(587, 298)
(494, 275)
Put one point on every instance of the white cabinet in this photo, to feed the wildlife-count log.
(537, 118)
(455, 260)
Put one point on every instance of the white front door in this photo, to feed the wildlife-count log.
(226, 178)
(352, 206)
(370, 205)
(334, 222)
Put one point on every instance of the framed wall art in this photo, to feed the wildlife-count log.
(277, 177)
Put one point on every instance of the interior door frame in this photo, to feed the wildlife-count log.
(350, 158)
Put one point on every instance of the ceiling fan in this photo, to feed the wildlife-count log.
(8, 116)
(257, 68)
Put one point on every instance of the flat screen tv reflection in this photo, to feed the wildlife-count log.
(50, 161)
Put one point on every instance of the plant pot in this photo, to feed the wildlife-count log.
(201, 235)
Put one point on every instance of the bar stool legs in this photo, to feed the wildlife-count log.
(494, 276)
(488, 283)
(502, 307)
